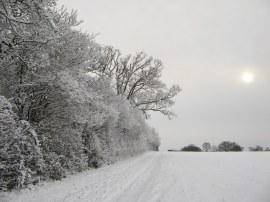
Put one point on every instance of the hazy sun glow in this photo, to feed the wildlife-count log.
(247, 77)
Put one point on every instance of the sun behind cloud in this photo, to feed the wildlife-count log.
(248, 77)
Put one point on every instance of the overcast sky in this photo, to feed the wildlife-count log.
(206, 46)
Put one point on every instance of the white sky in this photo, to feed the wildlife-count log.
(206, 46)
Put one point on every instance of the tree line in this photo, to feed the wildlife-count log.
(225, 146)
(68, 103)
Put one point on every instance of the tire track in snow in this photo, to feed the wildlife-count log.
(107, 185)
(149, 186)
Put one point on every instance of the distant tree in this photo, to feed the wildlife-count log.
(153, 139)
(227, 146)
(206, 147)
(267, 149)
(191, 148)
(257, 148)
(173, 150)
(214, 148)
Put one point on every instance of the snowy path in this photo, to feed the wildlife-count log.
(169, 177)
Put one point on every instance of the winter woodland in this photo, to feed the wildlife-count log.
(68, 103)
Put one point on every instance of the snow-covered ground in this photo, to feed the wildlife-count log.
(187, 177)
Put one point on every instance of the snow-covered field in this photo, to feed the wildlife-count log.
(187, 177)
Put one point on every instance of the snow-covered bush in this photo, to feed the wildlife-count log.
(92, 147)
(21, 161)
(54, 168)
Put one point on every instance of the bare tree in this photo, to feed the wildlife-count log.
(206, 147)
(138, 78)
